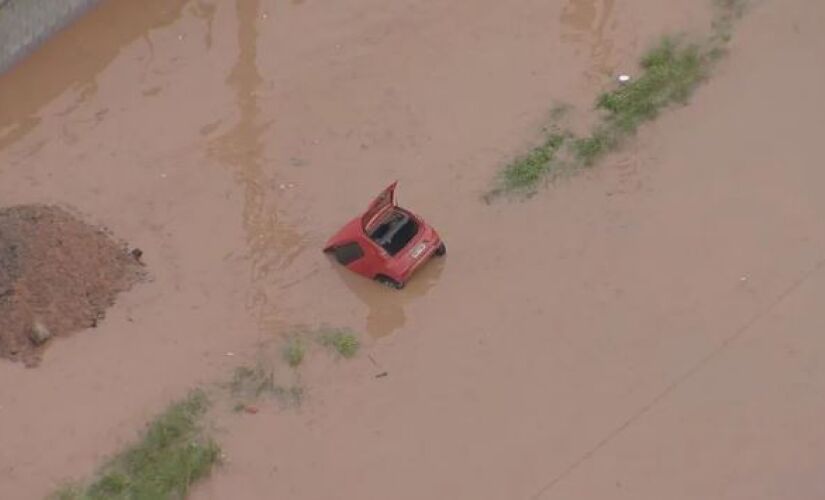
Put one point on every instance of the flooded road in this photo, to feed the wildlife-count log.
(581, 344)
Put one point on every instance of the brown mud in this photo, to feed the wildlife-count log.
(646, 330)
(57, 276)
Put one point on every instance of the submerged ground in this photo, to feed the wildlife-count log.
(649, 329)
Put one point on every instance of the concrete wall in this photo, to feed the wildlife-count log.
(24, 24)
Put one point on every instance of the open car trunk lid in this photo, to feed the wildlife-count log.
(382, 204)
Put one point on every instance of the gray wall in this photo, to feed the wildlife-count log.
(24, 24)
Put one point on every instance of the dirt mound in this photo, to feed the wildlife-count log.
(57, 276)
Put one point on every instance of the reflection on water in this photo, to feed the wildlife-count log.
(584, 23)
(386, 307)
(272, 243)
(74, 59)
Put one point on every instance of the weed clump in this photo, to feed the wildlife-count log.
(294, 352)
(526, 171)
(344, 342)
(172, 454)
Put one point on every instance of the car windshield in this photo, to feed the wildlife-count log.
(395, 231)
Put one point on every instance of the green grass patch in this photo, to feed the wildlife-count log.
(172, 454)
(343, 341)
(526, 171)
(588, 149)
(668, 75)
(294, 351)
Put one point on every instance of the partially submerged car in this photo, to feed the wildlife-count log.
(387, 243)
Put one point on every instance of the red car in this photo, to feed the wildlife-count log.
(387, 243)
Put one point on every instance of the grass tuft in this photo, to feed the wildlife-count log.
(526, 171)
(294, 351)
(172, 454)
(588, 149)
(342, 340)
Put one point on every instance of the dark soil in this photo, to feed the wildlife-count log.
(58, 275)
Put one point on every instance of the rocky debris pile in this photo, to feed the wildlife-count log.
(58, 275)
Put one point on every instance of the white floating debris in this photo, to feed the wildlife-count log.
(230, 353)
(39, 334)
(624, 78)
(264, 15)
(282, 186)
(162, 176)
(743, 278)
(180, 37)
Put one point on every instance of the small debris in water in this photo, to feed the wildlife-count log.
(180, 37)
(39, 334)
(137, 253)
(162, 176)
(264, 15)
(230, 353)
(250, 409)
(373, 360)
(624, 78)
(743, 278)
(382, 375)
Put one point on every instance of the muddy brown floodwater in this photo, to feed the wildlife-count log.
(650, 329)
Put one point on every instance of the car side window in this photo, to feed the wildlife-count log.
(348, 253)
